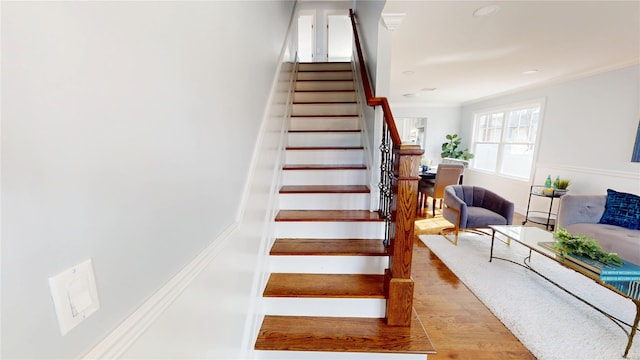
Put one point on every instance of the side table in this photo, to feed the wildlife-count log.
(546, 217)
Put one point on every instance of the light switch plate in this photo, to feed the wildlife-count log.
(75, 295)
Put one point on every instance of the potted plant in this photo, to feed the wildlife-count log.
(560, 186)
(450, 148)
(567, 244)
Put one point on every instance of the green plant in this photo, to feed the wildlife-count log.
(450, 148)
(561, 184)
(566, 243)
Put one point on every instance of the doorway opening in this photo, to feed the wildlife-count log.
(339, 38)
(306, 36)
(325, 38)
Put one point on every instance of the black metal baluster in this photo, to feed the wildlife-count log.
(386, 182)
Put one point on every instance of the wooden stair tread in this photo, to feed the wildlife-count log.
(323, 90)
(320, 247)
(324, 189)
(325, 286)
(324, 70)
(328, 215)
(324, 148)
(326, 131)
(336, 334)
(324, 167)
(322, 116)
(323, 102)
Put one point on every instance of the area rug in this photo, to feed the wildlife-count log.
(549, 322)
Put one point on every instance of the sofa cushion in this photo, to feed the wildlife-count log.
(622, 209)
(622, 241)
(480, 217)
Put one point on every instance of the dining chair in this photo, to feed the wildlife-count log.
(447, 174)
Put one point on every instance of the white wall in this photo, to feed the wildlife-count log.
(368, 20)
(588, 132)
(219, 314)
(126, 138)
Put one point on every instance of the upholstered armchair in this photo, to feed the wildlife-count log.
(474, 207)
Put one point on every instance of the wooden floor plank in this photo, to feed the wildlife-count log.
(336, 247)
(300, 333)
(457, 322)
(328, 215)
(325, 285)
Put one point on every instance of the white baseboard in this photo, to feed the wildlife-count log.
(121, 338)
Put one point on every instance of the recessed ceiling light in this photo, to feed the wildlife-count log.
(530, 72)
(410, 95)
(408, 72)
(486, 10)
(428, 89)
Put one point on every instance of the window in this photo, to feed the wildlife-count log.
(504, 140)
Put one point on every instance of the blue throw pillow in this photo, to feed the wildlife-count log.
(622, 209)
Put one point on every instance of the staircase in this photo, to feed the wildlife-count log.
(325, 297)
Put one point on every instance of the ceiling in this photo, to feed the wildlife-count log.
(443, 55)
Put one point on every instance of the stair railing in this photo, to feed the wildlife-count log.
(398, 200)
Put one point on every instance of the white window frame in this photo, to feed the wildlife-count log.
(505, 109)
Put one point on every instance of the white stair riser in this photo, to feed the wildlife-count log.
(324, 201)
(329, 264)
(330, 230)
(324, 85)
(317, 139)
(345, 307)
(324, 96)
(324, 355)
(325, 75)
(324, 109)
(324, 177)
(319, 66)
(324, 156)
(324, 123)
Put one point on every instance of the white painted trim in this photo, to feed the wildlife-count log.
(588, 170)
(255, 311)
(261, 273)
(392, 20)
(122, 337)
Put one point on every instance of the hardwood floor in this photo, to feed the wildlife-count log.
(459, 325)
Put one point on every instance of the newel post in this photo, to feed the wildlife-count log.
(398, 282)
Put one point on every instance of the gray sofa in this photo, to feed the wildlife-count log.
(581, 214)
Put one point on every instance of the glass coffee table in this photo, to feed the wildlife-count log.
(538, 241)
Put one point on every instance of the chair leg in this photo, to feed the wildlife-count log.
(456, 228)
(446, 232)
(433, 207)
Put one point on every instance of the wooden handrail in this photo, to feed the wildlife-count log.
(398, 201)
(368, 89)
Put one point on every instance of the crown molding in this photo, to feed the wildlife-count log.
(393, 20)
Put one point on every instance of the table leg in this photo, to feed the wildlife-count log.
(633, 328)
(493, 237)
